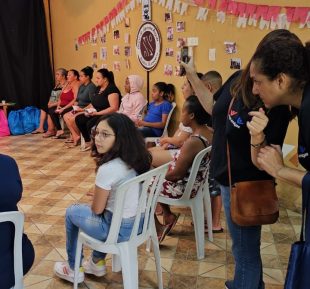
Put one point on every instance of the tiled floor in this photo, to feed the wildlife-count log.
(55, 177)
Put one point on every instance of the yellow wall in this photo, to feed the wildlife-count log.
(72, 18)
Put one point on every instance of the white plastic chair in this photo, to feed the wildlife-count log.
(197, 204)
(17, 218)
(125, 254)
(165, 132)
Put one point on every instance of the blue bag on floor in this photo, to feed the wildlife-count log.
(30, 118)
(298, 271)
(15, 122)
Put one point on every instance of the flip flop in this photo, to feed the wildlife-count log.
(48, 134)
(215, 231)
(85, 149)
(69, 140)
(73, 145)
(62, 136)
(171, 225)
(163, 234)
(37, 132)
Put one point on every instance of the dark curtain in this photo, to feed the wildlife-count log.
(25, 68)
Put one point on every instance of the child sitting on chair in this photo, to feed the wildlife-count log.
(120, 155)
(157, 113)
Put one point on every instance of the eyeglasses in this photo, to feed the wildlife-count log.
(102, 135)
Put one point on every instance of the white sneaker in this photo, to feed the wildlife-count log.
(63, 271)
(98, 269)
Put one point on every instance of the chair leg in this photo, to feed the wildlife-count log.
(198, 218)
(208, 213)
(148, 245)
(77, 262)
(157, 260)
(129, 261)
(116, 263)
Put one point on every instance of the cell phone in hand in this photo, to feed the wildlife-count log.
(185, 58)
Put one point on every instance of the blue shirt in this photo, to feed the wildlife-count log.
(155, 114)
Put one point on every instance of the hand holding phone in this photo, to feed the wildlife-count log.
(184, 58)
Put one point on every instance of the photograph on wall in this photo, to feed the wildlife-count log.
(181, 42)
(116, 34)
(177, 70)
(94, 66)
(103, 38)
(230, 47)
(235, 63)
(76, 45)
(127, 63)
(169, 51)
(168, 70)
(103, 53)
(212, 54)
(127, 22)
(116, 66)
(116, 50)
(168, 17)
(104, 65)
(180, 26)
(127, 51)
(178, 56)
(170, 33)
(127, 38)
(95, 56)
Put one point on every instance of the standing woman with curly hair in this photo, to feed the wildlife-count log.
(120, 155)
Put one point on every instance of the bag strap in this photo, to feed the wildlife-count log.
(305, 225)
(227, 147)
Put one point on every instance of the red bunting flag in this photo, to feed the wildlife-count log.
(290, 11)
(199, 2)
(273, 12)
(223, 6)
(212, 4)
(232, 7)
(241, 9)
(250, 10)
(301, 14)
(261, 12)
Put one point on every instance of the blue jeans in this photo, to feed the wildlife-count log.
(246, 250)
(80, 216)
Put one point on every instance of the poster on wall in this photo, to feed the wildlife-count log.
(146, 10)
(235, 63)
(148, 45)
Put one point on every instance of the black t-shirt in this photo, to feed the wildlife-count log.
(235, 130)
(100, 101)
(304, 129)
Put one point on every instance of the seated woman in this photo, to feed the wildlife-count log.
(60, 83)
(10, 195)
(86, 90)
(194, 116)
(133, 102)
(120, 155)
(105, 100)
(167, 147)
(64, 104)
(157, 112)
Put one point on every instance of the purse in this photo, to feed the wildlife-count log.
(298, 276)
(252, 203)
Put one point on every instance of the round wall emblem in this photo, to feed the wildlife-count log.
(148, 45)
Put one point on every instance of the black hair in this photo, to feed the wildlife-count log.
(167, 89)
(88, 71)
(194, 106)
(129, 144)
(75, 73)
(107, 74)
(242, 86)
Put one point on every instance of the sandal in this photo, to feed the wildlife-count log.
(69, 140)
(163, 234)
(37, 132)
(48, 134)
(61, 136)
(85, 149)
(73, 144)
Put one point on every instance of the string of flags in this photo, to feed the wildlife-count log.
(261, 16)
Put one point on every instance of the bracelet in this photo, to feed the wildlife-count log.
(259, 144)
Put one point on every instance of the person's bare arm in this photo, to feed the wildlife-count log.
(100, 200)
(177, 140)
(203, 93)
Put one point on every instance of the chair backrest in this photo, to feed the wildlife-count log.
(17, 218)
(193, 174)
(165, 132)
(150, 184)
